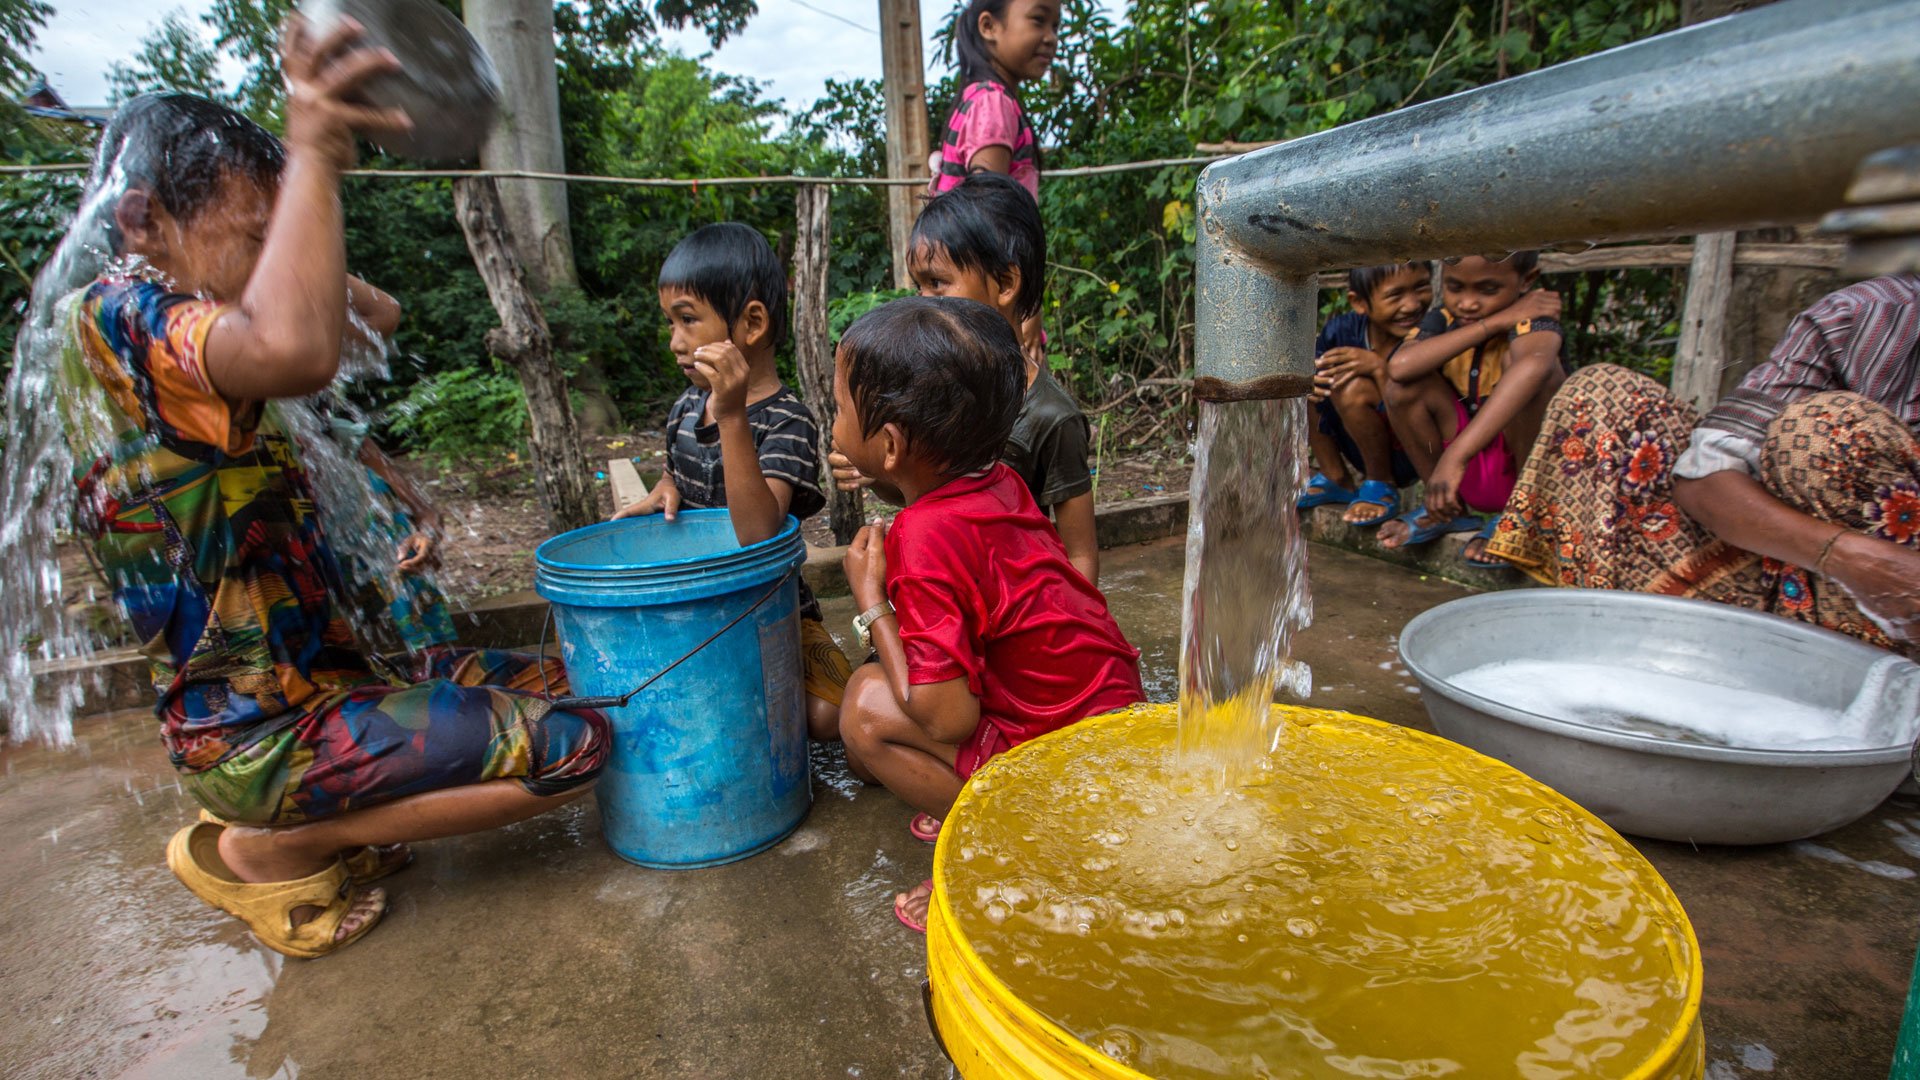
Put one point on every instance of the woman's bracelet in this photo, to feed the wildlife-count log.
(1826, 549)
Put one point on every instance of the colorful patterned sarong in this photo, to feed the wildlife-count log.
(471, 715)
(1594, 506)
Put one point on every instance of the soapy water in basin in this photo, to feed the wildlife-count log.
(1372, 903)
(1885, 712)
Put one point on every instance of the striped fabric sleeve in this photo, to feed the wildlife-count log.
(676, 469)
(1807, 361)
(788, 441)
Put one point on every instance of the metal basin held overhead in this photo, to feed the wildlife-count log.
(446, 83)
(1648, 784)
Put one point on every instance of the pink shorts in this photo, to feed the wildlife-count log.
(1491, 474)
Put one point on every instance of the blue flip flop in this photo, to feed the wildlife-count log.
(1330, 493)
(1426, 534)
(1379, 493)
(1485, 532)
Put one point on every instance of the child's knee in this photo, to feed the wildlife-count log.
(823, 719)
(1356, 401)
(570, 748)
(868, 711)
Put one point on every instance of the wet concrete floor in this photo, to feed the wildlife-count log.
(533, 951)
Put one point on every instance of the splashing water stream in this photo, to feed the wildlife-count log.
(58, 418)
(1246, 585)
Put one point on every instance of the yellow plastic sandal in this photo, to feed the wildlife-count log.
(267, 908)
(364, 865)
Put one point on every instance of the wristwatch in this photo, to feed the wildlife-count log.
(863, 622)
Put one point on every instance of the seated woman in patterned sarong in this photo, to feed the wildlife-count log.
(1798, 494)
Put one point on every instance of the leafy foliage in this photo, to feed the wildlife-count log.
(20, 21)
(1167, 77)
(173, 57)
(454, 412)
(1176, 75)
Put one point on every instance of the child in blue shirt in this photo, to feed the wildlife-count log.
(1350, 380)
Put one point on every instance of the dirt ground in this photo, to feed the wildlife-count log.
(494, 520)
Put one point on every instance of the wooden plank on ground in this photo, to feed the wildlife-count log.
(628, 487)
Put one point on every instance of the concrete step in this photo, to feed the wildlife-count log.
(1441, 558)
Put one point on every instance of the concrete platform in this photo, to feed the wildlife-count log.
(533, 951)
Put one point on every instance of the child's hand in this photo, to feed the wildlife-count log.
(663, 499)
(1343, 365)
(1537, 304)
(322, 74)
(1322, 385)
(417, 552)
(866, 566)
(845, 476)
(725, 368)
(1443, 488)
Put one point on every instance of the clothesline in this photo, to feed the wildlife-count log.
(676, 182)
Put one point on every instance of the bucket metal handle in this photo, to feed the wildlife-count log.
(619, 700)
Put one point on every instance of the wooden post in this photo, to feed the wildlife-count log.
(522, 339)
(1703, 321)
(518, 36)
(813, 347)
(905, 85)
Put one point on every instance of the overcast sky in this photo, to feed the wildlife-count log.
(794, 46)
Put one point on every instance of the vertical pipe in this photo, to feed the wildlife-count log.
(1253, 328)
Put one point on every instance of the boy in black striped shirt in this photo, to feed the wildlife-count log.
(738, 437)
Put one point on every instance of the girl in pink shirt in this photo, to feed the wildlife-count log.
(1001, 43)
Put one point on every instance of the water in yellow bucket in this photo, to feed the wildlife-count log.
(1372, 902)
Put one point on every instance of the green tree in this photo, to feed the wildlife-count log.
(20, 22)
(173, 56)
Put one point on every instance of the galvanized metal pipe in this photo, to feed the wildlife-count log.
(1756, 119)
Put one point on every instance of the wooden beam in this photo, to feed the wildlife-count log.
(1231, 147)
(1814, 256)
(813, 346)
(522, 340)
(904, 82)
(1702, 355)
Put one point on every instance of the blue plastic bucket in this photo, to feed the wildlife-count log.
(709, 763)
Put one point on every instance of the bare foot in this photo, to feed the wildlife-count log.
(256, 856)
(912, 905)
(1476, 551)
(1394, 533)
(1363, 511)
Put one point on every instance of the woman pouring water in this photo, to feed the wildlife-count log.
(1798, 494)
(228, 294)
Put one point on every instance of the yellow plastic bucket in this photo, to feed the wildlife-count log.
(989, 1032)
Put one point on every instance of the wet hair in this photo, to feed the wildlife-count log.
(1363, 280)
(730, 265)
(989, 223)
(178, 147)
(948, 371)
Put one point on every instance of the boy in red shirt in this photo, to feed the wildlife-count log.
(984, 634)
